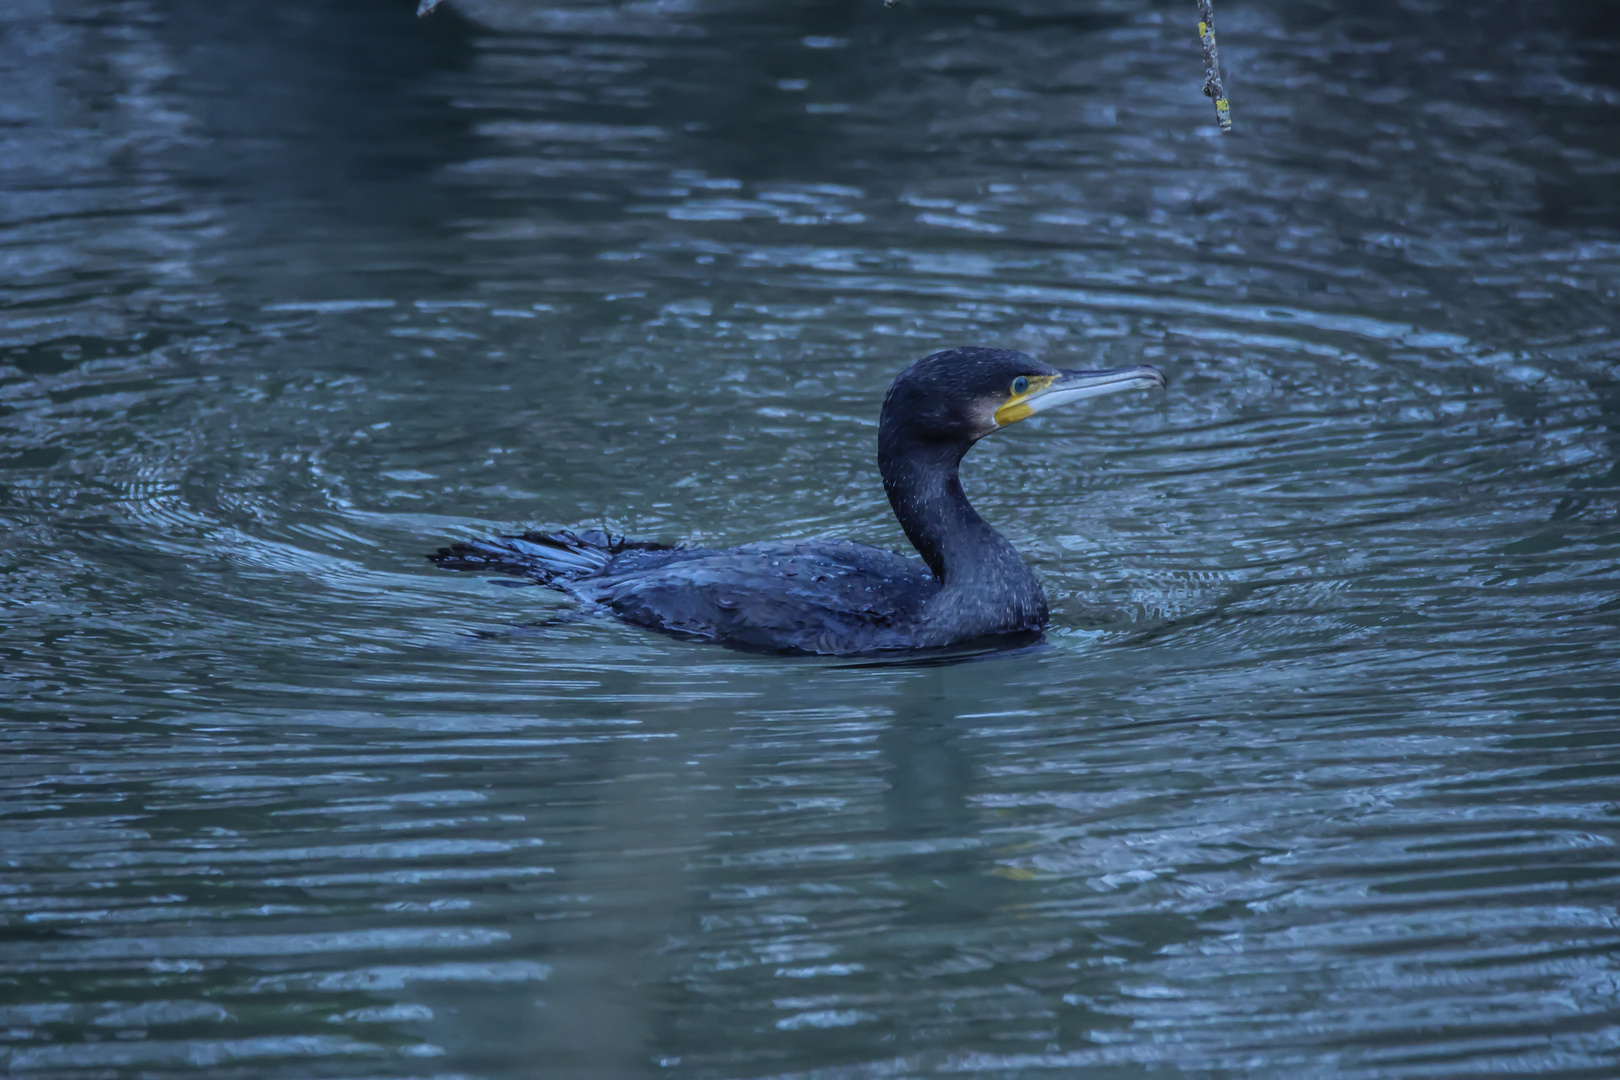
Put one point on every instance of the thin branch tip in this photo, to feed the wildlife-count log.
(1213, 88)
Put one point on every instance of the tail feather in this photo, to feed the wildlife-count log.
(548, 557)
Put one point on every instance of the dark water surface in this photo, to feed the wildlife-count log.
(1317, 773)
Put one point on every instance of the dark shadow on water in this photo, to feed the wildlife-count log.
(989, 648)
(1002, 646)
(316, 117)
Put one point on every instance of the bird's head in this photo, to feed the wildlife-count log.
(961, 395)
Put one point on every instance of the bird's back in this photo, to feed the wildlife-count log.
(818, 596)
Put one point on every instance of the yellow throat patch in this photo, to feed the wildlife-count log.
(1015, 408)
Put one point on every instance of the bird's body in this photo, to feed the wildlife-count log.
(834, 596)
(817, 596)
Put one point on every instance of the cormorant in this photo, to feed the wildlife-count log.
(833, 596)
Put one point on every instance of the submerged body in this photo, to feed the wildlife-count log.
(836, 597)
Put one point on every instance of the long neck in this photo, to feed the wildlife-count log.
(925, 489)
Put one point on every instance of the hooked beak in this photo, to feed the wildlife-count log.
(1070, 386)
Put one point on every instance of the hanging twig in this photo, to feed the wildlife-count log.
(425, 8)
(1212, 65)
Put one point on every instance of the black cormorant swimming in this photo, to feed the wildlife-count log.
(832, 596)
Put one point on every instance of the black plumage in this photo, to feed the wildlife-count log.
(834, 596)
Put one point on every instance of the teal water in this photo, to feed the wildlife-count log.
(1316, 773)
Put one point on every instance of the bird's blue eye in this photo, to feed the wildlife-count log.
(1020, 384)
